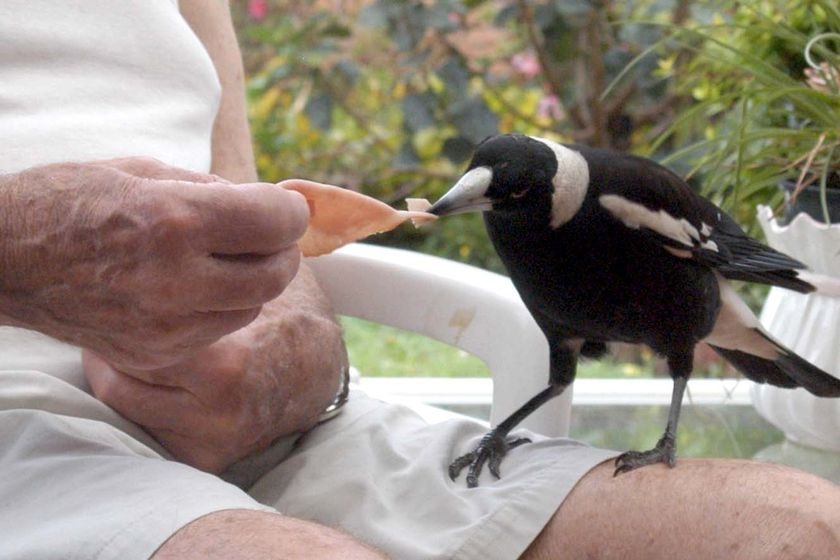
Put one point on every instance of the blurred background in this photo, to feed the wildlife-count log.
(390, 97)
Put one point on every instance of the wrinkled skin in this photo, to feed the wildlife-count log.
(233, 398)
(141, 262)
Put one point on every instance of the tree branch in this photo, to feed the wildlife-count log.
(591, 39)
(535, 39)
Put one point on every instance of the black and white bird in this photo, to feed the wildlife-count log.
(608, 247)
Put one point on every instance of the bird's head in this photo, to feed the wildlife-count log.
(518, 175)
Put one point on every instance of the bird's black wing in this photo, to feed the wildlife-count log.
(650, 198)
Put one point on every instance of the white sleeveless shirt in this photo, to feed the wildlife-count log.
(92, 79)
(82, 80)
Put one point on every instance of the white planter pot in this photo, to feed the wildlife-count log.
(810, 326)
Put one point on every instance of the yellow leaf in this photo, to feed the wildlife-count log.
(666, 65)
(427, 142)
(436, 84)
(266, 103)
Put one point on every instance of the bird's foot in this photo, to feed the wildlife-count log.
(491, 450)
(664, 452)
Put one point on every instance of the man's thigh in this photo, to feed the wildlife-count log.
(243, 534)
(701, 509)
(379, 472)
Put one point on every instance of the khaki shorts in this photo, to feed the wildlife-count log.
(78, 481)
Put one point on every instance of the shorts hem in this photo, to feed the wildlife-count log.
(504, 535)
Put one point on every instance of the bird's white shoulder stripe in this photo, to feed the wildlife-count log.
(635, 216)
(570, 183)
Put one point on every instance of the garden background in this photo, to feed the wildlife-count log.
(390, 97)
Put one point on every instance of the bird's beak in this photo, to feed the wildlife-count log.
(468, 194)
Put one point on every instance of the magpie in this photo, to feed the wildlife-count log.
(608, 247)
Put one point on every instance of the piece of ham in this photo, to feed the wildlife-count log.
(340, 216)
(420, 205)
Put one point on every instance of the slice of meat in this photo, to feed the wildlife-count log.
(339, 216)
(420, 205)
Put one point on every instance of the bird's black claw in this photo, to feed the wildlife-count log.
(458, 464)
(491, 450)
(495, 460)
(664, 452)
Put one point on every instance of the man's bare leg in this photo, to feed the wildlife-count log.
(701, 509)
(234, 534)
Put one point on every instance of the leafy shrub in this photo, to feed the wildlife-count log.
(757, 117)
(389, 97)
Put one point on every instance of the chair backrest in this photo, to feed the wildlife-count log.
(475, 310)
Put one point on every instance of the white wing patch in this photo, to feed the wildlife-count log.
(570, 183)
(635, 216)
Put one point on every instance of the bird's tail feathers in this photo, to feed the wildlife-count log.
(787, 369)
(824, 284)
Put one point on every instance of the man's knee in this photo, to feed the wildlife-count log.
(700, 509)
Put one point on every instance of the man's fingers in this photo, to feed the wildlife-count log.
(196, 453)
(233, 282)
(155, 407)
(149, 405)
(174, 416)
(256, 218)
(160, 345)
(204, 328)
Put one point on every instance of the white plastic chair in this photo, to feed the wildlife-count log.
(470, 308)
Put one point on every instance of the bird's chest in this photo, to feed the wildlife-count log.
(601, 281)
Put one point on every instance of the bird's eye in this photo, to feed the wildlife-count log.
(519, 194)
(503, 165)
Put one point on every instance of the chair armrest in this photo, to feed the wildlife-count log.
(467, 307)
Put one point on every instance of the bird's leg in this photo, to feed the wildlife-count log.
(665, 449)
(495, 444)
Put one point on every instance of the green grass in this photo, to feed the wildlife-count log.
(380, 351)
(706, 431)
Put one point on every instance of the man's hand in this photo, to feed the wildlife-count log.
(270, 379)
(141, 262)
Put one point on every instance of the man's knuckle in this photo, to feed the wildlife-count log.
(137, 165)
(171, 225)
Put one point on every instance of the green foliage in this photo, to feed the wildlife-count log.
(390, 97)
(755, 119)
(380, 351)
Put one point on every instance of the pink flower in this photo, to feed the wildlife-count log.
(526, 64)
(550, 106)
(258, 9)
(823, 78)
